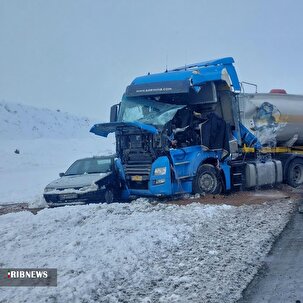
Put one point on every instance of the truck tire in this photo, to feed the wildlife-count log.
(207, 180)
(294, 176)
(109, 196)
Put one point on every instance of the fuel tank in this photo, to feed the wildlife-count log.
(276, 119)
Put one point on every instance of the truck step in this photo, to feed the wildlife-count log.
(182, 163)
(237, 174)
(183, 177)
(236, 163)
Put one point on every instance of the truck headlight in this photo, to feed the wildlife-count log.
(158, 181)
(160, 171)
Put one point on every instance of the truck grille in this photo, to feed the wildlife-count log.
(137, 175)
(137, 169)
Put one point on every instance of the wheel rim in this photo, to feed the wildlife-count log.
(297, 175)
(207, 182)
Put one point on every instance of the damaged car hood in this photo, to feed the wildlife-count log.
(103, 129)
(76, 181)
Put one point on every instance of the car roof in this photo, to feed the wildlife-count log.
(99, 157)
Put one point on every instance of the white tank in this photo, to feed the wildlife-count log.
(275, 119)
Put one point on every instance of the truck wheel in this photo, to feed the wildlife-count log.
(207, 180)
(109, 196)
(294, 175)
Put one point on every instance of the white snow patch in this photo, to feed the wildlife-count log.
(20, 121)
(62, 139)
(38, 202)
(141, 252)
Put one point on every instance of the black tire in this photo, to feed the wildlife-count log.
(207, 180)
(109, 196)
(294, 176)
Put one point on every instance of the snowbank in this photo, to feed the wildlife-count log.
(19, 121)
(141, 252)
(38, 144)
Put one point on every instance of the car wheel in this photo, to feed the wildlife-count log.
(109, 196)
(207, 180)
(295, 173)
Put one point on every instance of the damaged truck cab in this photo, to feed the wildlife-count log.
(191, 130)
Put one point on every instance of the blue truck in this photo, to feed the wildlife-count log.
(193, 130)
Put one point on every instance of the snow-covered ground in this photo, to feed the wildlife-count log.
(137, 252)
(19, 121)
(140, 252)
(24, 176)
(48, 142)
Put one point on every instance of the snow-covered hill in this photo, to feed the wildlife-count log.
(18, 121)
(46, 142)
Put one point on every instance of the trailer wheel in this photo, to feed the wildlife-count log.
(207, 180)
(294, 175)
(109, 196)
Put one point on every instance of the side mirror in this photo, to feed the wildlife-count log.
(61, 175)
(114, 113)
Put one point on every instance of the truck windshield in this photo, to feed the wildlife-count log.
(147, 111)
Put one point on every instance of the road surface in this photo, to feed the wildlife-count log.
(281, 279)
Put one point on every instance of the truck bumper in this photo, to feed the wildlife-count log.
(159, 183)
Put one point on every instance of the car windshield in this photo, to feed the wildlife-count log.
(89, 166)
(147, 111)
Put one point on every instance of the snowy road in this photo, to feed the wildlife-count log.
(140, 252)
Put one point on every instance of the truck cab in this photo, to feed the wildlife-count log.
(181, 132)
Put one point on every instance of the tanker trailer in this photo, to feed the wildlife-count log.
(276, 119)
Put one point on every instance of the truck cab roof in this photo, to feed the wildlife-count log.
(182, 79)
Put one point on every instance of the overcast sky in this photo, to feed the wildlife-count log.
(79, 56)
